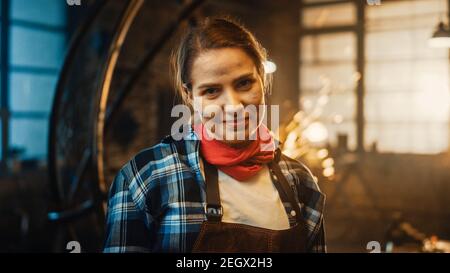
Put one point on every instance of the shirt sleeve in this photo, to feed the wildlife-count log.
(127, 225)
(319, 243)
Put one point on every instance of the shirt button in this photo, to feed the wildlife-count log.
(293, 213)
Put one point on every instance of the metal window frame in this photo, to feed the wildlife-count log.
(4, 87)
(6, 69)
(358, 29)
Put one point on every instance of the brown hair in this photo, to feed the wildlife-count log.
(214, 33)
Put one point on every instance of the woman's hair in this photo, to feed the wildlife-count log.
(214, 33)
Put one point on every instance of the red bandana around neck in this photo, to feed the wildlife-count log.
(239, 163)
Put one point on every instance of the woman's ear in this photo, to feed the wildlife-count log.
(188, 96)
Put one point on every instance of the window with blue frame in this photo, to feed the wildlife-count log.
(35, 52)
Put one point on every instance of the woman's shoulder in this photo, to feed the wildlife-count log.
(307, 186)
(295, 165)
(159, 156)
(138, 174)
(303, 176)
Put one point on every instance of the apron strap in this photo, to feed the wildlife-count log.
(214, 210)
(288, 191)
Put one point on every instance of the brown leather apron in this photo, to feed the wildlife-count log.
(218, 236)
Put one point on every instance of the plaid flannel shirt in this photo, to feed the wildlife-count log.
(157, 201)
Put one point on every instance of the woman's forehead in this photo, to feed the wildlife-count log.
(221, 63)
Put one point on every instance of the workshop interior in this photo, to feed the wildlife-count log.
(362, 86)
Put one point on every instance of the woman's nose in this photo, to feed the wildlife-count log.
(232, 98)
(233, 105)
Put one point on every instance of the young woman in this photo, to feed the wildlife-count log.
(212, 191)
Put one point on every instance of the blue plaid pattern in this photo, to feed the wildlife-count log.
(157, 201)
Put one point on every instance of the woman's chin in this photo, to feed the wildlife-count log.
(236, 138)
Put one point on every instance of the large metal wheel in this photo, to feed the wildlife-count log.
(82, 112)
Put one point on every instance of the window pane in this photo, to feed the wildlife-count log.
(29, 135)
(328, 47)
(331, 15)
(407, 82)
(31, 92)
(51, 12)
(328, 79)
(422, 138)
(340, 77)
(36, 48)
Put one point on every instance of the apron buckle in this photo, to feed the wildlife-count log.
(214, 212)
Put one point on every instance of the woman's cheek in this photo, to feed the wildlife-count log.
(255, 97)
(211, 110)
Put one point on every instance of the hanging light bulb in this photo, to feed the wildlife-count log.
(441, 37)
(269, 67)
(316, 132)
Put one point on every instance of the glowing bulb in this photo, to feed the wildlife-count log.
(323, 100)
(439, 42)
(291, 140)
(327, 163)
(322, 153)
(441, 37)
(328, 172)
(338, 119)
(316, 132)
(307, 104)
(299, 116)
(269, 67)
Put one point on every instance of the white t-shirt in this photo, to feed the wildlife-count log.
(254, 202)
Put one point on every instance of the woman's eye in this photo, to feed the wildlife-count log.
(210, 91)
(245, 84)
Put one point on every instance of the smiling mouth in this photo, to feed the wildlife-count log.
(236, 121)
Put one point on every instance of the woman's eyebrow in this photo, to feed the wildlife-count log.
(207, 85)
(248, 75)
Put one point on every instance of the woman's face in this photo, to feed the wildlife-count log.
(226, 80)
